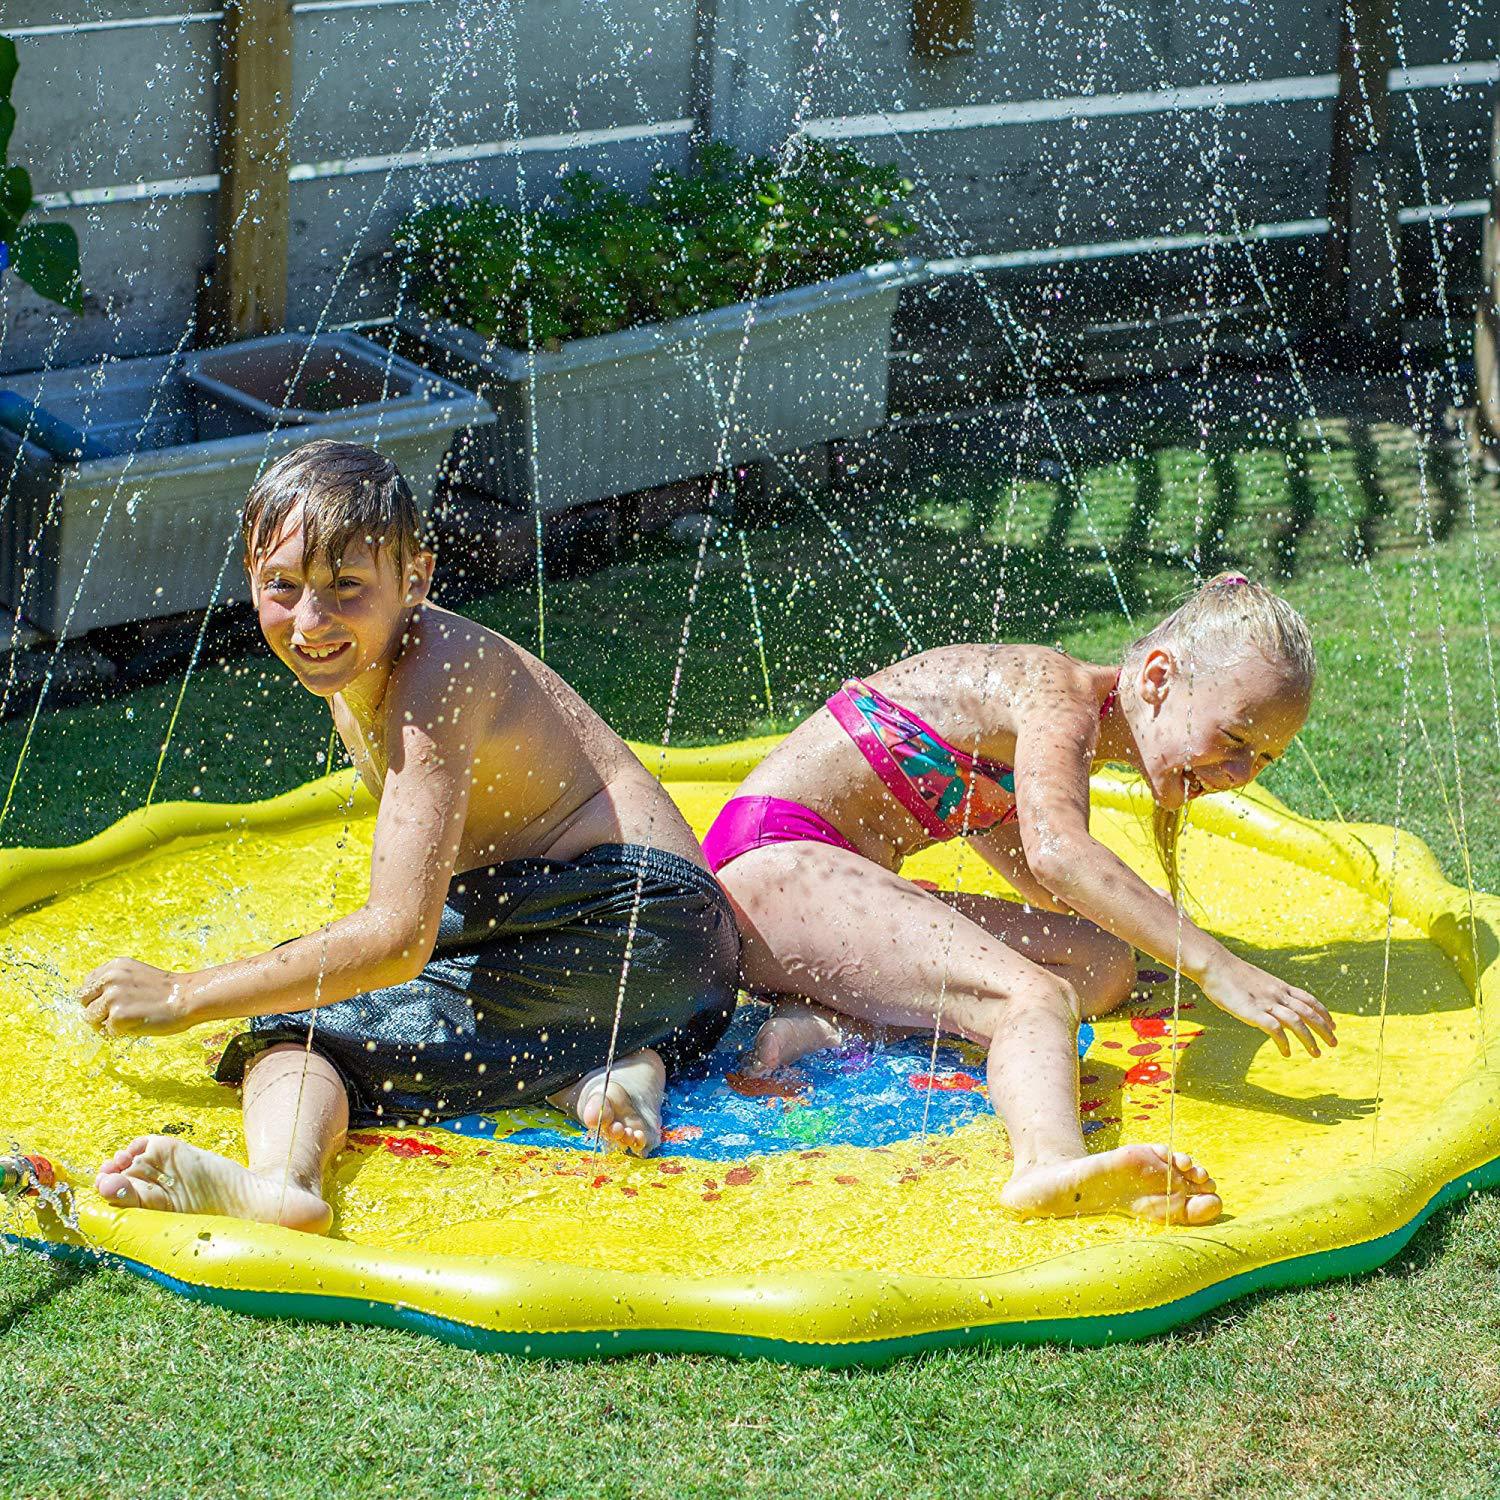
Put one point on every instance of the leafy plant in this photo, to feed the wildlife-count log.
(598, 260)
(44, 256)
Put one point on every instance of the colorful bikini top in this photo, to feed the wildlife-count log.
(947, 790)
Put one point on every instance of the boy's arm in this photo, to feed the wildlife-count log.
(418, 832)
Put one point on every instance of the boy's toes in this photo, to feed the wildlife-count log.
(123, 1158)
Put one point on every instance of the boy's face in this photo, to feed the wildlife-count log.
(333, 626)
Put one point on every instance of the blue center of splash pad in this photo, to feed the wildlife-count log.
(857, 1095)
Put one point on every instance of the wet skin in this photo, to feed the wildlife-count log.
(841, 929)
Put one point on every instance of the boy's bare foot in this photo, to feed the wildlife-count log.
(163, 1173)
(627, 1112)
(794, 1028)
(1129, 1179)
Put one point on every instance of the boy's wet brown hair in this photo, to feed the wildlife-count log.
(349, 493)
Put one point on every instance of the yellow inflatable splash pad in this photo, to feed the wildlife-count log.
(842, 1212)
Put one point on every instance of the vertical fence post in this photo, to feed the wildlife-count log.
(705, 69)
(248, 290)
(942, 28)
(753, 68)
(1363, 190)
(1487, 319)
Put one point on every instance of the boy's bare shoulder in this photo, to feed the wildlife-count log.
(448, 660)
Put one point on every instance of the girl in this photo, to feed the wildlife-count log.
(995, 743)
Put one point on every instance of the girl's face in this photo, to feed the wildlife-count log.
(333, 627)
(1210, 730)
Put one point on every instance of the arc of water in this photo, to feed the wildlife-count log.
(1008, 325)
(101, 365)
(1451, 365)
(1387, 218)
(157, 392)
(784, 156)
(1005, 320)
(1424, 522)
(760, 635)
(432, 121)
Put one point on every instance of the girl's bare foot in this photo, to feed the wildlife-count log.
(1129, 1179)
(163, 1173)
(627, 1111)
(794, 1028)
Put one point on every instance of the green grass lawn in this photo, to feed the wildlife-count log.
(1389, 1386)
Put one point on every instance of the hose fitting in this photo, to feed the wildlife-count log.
(25, 1174)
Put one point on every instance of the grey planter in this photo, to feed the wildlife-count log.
(134, 535)
(257, 384)
(648, 406)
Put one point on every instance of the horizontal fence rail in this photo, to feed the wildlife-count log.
(119, 126)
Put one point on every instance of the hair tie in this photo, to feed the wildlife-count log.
(1229, 580)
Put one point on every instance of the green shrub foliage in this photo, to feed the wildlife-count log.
(599, 261)
(44, 256)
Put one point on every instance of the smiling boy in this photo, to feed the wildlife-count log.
(540, 924)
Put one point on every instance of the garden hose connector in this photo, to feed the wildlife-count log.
(25, 1174)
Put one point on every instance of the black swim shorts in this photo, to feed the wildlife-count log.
(520, 996)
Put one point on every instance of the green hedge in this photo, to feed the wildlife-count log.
(600, 261)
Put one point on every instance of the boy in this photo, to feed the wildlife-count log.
(537, 903)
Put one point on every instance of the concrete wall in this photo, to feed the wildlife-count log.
(398, 104)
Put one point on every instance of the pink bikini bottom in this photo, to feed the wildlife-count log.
(748, 823)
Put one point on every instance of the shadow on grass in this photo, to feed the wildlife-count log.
(53, 1279)
(1435, 1244)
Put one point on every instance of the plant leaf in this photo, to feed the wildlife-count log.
(45, 257)
(8, 66)
(15, 191)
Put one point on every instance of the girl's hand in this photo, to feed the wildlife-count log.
(128, 998)
(1271, 1004)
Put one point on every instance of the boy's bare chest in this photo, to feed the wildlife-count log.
(366, 745)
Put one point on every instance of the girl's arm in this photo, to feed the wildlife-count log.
(1001, 850)
(418, 832)
(1056, 733)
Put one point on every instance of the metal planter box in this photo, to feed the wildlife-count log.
(146, 533)
(647, 406)
(301, 380)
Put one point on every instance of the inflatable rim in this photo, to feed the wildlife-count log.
(1094, 1295)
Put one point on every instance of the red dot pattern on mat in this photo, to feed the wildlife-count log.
(766, 1088)
(399, 1145)
(947, 1083)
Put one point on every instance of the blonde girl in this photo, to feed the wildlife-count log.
(995, 744)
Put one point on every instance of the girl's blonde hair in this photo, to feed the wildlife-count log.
(1221, 623)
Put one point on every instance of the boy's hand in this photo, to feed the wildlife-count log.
(128, 998)
(1262, 1000)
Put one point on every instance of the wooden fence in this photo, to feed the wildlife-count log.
(1032, 130)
